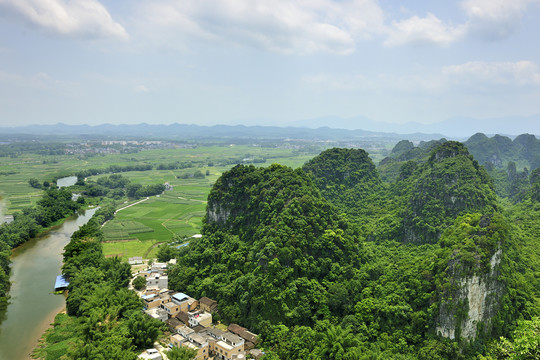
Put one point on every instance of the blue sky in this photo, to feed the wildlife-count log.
(267, 62)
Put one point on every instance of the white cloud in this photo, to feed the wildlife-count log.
(490, 75)
(489, 19)
(423, 31)
(495, 19)
(302, 27)
(86, 18)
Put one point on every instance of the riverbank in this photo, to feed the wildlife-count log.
(41, 332)
(33, 306)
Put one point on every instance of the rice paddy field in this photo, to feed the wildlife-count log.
(15, 172)
(136, 230)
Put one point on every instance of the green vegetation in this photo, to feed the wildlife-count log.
(331, 262)
(36, 160)
(525, 343)
(139, 283)
(500, 150)
(334, 260)
(181, 353)
(158, 220)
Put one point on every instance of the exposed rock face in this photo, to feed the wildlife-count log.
(216, 213)
(473, 299)
(495, 160)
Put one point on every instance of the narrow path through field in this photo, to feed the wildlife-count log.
(145, 255)
(125, 207)
(183, 198)
(135, 203)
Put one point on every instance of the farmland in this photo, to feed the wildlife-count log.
(16, 171)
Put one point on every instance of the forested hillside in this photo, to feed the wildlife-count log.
(499, 150)
(333, 262)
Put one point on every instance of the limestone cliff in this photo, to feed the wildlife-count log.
(470, 296)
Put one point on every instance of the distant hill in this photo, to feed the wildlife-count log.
(499, 150)
(457, 128)
(183, 131)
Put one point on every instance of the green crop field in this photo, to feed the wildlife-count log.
(15, 172)
(135, 229)
(127, 249)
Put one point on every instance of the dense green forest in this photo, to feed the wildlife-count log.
(335, 261)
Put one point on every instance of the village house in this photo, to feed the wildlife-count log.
(158, 267)
(224, 345)
(183, 317)
(153, 300)
(157, 281)
(158, 313)
(256, 354)
(208, 304)
(171, 308)
(151, 354)
(211, 342)
(186, 302)
(192, 341)
(136, 260)
(229, 347)
(174, 324)
(200, 318)
(248, 336)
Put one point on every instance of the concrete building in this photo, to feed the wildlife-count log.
(157, 281)
(186, 302)
(151, 354)
(136, 260)
(208, 304)
(188, 338)
(171, 308)
(153, 300)
(200, 318)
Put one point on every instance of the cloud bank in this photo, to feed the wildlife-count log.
(81, 18)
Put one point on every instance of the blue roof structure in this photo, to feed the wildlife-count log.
(180, 297)
(179, 246)
(61, 283)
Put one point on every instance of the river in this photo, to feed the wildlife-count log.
(66, 181)
(2, 209)
(33, 305)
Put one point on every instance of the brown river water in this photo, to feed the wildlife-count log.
(33, 306)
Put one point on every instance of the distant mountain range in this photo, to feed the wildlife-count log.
(458, 128)
(182, 131)
(325, 128)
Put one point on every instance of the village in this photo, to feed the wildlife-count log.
(190, 320)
